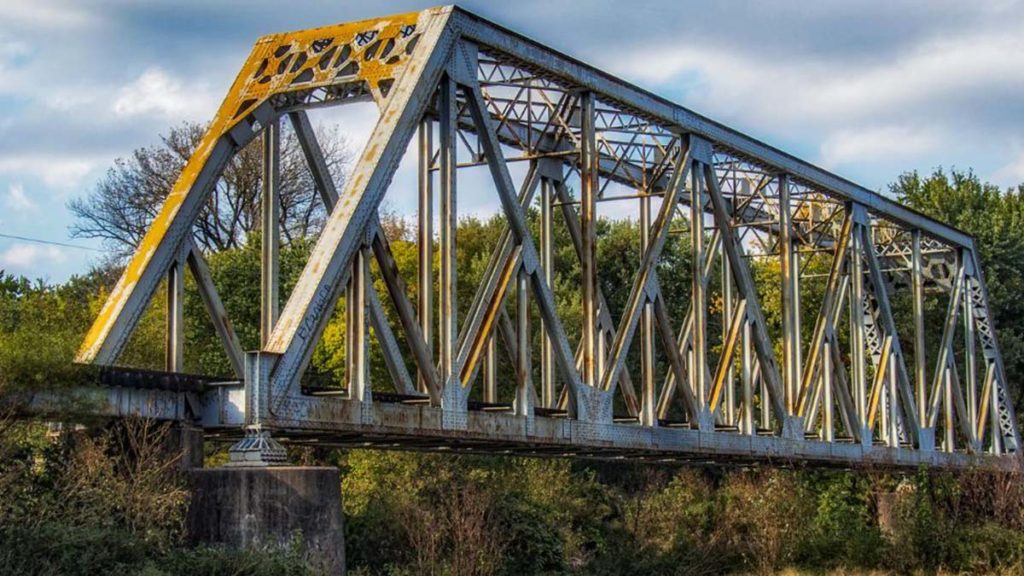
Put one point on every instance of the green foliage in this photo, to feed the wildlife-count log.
(843, 531)
(236, 274)
(925, 531)
(77, 506)
(55, 548)
(41, 327)
(212, 561)
(992, 547)
(996, 219)
(534, 544)
(558, 517)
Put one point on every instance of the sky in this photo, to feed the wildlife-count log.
(867, 89)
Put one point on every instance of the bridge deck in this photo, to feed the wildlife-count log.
(419, 427)
(404, 422)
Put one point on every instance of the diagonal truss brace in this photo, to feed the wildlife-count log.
(791, 426)
(586, 403)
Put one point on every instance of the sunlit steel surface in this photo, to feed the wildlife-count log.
(838, 385)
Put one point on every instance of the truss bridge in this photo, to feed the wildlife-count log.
(774, 311)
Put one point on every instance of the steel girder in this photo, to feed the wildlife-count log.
(761, 225)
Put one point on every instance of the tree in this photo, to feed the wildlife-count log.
(996, 220)
(121, 206)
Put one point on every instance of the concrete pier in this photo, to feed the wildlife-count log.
(270, 506)
(186, 442)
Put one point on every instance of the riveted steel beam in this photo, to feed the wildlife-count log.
(448, 312)
(388, 343)
(639, 293)
(270, 241)
(175, 345)
(425, 263)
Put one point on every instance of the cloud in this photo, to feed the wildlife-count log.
(56, 14)
(12, 49)
(14, 54)
(968, 80)
(1012, 173)
(16, 199)
(876, 143)
(27, 257)
(157, 93)
(774, 91)
(60, 171)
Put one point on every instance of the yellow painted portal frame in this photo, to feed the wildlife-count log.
(371, 52)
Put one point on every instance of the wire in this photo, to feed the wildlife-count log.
(50, 242)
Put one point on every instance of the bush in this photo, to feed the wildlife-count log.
(53, 548)
(765, 517)
(842, 529)
(990, 548)
(107, 502)
(923, 534)
(533, 543)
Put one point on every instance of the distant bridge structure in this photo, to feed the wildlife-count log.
(858, 378)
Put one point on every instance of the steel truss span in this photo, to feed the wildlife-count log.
(879, 347)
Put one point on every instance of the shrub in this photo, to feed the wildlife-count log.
(842, 529)
(533, 543)
(54, 548)
(766, 516)
(924, 536)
